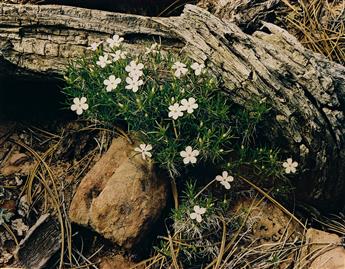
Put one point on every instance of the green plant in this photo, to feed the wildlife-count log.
(182, 118)
(171, 106)
(175, 107)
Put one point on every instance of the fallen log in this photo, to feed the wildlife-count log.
(247, 14)
(305, 89)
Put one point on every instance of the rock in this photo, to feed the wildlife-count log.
(120, 197)
(118, 262)
(269, 225)
(18, 158)
(323, 250)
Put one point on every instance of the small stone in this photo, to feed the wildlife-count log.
(323, 250)
(18, 158)
(120, 197)
(17, 163)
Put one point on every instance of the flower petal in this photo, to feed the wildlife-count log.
(225, 184)
(198, 218)
(219, 178)
(186, 160)
(184, 102)
(195, 152)
(76, 100)
(202, 210)
(183, 154)
(192, 159)
(149, 147)
(196, 208)
(138, 149)
(193, 215)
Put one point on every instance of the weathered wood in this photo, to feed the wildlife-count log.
(247, 14)
(306, 91)
(41, 242)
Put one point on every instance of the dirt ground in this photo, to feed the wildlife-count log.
(40, 164)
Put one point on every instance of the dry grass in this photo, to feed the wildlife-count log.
(239, 249)
(318, 24)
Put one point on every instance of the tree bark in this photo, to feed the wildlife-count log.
(306, 90)
(42, 241)
(247, 14)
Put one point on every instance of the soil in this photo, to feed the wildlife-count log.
(67, 150)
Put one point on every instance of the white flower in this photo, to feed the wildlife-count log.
(133, 83)
(175, 111)
(189, 105)
(119, 54)
(198, 68)
(111, 83)
(189, 155)
(134, 69)
(144, 150)
(224, 179)
(198, 211)
(180, 69)
(115, 41)
(19, 226)
(153, 49)
(94, 46)
(103, 61)
(290, 166)
(79, 105)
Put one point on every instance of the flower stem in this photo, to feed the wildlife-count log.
(175, 130)
(174, 189)
(204, 188)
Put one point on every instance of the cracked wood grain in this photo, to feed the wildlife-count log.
(305, 89)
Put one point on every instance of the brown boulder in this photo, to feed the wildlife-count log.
(120, 197)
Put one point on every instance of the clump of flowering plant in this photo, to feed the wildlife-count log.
(177, 110)
(170, 103)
